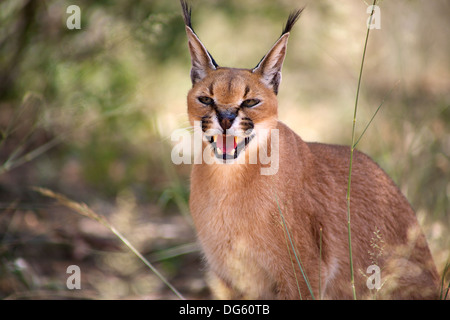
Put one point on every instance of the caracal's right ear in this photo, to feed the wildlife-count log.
(201, 59)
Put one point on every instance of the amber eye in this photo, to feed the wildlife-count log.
(250, 103)
(206, 100)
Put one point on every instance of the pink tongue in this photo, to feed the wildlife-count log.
(225, 143)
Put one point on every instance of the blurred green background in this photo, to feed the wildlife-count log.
(88, 113)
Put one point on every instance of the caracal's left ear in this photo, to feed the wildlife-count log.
(269, 68)
(201, 60)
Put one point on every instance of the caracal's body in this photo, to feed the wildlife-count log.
(256, 229)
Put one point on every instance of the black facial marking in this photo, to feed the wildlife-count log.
(247, 89)
(247, 123)
(230, 83)
(206, 121)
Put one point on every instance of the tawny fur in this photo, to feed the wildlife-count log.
(237, 210)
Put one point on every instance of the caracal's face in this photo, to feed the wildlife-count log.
(232, 106)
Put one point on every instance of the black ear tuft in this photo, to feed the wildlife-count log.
(186, 13)
(269, 68)
(292, 19)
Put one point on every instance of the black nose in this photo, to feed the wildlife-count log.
(226, 119)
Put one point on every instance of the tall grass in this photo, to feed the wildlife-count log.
(294, 250)
(443, 293)
(25, 118)
(352, 148)
(354, 142)
(84, 210)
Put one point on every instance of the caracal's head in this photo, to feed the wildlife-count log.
(233, 106)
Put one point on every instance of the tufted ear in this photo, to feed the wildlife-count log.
(201, 60)
(269, 68)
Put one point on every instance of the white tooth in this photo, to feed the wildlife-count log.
(232, 152)
(219, 151)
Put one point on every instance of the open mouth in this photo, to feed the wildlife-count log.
(227, 147)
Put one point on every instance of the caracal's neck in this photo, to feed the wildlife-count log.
(224, 175)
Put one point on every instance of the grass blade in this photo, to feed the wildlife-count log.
(352, 273)
(292, 262)
(297, 258)
(320, 262)
(84, 210)
(375, 113)
(444, 273)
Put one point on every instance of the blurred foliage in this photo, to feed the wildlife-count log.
(89, 113)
